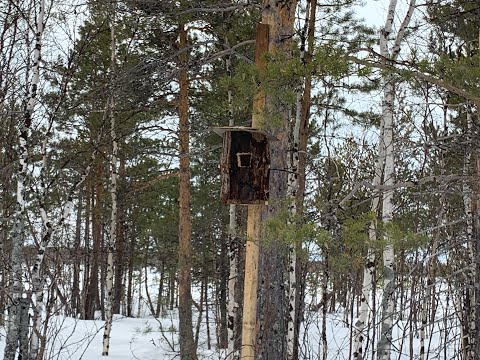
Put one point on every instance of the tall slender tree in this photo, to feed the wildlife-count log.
(388, 302)
(187, 345)
(113, 193)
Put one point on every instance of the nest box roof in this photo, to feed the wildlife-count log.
(223, 129)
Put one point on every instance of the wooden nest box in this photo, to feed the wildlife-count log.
(245, 165)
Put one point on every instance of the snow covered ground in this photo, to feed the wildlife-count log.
(152, 339)
(131, 338)
(147, 338)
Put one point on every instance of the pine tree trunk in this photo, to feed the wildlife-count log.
(131, 253)
(86, 249)
(171, 292)
(187, 344)
(272, 303)
(92, 300)
(159, 308)
(120, 262)
(75, 307)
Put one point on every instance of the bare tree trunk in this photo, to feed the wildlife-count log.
(120, 245)
(207, 319)
(159, 308)
(370, 261)
(86, 249)
(232, 352)
(77, 257)
(140, 297)
(306, 100)
(131, 253)
(325, 281)
(388, 304)
(468, 311)
(171, 291)
(272, 305)
(187, 344)
(294, 191)
(92, 296)
(200, 311)
(147, 292)
(113, 193)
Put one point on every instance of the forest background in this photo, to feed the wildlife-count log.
(110, 187)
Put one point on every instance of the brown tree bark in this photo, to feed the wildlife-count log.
(92, 300)
(186, 340)
(75, 307)
(131, 253)
(119, 286)
(272, 311)
(86, 248)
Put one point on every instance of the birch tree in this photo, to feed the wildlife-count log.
(17, 330)
(296, 172)
(232, 352)
(384, 174)
(388, 304)
(113, 193)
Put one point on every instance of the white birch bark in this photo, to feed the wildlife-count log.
(232, 307)
(370, 261)
(18, 331)
(384, 161)
(293, 184)
(292, 187)
(14, 330)
(113, 192)
(388, 304)
(49, 230)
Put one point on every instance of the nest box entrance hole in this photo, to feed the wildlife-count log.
(244, 160)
